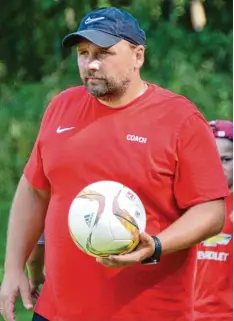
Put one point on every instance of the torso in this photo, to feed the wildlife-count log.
(214, 285)
(136, 146)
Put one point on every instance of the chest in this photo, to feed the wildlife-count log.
(133, 148)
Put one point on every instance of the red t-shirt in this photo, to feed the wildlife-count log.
(160, 146)
(214, 283)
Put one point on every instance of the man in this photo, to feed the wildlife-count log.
(121, 128)
(214, 282)
(35, 267)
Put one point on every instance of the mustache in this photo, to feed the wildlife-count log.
(93, 74)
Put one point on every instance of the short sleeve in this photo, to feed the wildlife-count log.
(199, 175)
(33, 170)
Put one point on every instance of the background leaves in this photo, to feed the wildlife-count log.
(34, 66)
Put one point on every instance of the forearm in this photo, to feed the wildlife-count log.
(196, 224)
(35, 264)
(26, 224)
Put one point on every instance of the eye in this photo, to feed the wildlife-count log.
(226, 159)
(103, 53)
(82, 53)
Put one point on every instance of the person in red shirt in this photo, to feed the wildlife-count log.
(116, 127)
(214, 279)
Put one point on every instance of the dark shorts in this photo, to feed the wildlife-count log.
(37, 317)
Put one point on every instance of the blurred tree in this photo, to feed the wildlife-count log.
(120, 3)
(31, 30)
(34, 67)
(167, 8)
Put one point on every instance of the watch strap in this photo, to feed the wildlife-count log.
(155, 258)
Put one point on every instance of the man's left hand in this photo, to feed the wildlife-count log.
(144, 250)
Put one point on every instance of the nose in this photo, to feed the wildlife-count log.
(94, 64)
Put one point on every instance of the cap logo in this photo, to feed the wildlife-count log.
(221, 133)
(90, 20)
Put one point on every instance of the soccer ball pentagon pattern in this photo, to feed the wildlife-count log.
(106, 218)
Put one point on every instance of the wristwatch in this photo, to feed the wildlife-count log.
(155, 258)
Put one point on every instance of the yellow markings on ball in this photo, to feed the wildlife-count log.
(129, 223)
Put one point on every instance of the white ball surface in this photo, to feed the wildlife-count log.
(106, 218)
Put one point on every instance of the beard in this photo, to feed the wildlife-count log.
(105, 88)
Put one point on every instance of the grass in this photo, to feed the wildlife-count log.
(21, 313)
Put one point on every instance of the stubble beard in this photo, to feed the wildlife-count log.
(107, 90)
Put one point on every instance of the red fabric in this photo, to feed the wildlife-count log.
(214, 284)
(160, 146)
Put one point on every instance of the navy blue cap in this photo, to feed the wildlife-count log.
(107, 26)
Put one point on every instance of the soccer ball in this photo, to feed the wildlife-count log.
(106, 218)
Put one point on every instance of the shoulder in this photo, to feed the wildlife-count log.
(65, 100)
(172, 100)
(70, 94)
(177, 110)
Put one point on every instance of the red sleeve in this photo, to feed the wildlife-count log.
(33, 170)
(199, 176)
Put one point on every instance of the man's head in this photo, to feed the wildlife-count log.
(223, 132)
(110, 46)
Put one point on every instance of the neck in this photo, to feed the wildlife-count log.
(135, 90)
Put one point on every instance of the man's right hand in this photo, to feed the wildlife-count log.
(35, 287)
(14, 284)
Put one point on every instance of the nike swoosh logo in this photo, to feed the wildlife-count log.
(61, 130)
(90, 20)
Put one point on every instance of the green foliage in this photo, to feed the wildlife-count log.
(192, 64)
(34, 67)
(21, 313)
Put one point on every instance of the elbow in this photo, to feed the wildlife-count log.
(219, 224)
(218, 220)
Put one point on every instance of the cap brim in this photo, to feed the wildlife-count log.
(99, 38)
